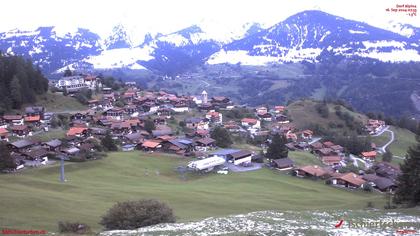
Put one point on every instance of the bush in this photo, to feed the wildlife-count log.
(75, 228)
(136, 214)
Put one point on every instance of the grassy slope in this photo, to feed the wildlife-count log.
(304, 158)
(403, 140)
(56, 102)
(34, 199)
(304, 113)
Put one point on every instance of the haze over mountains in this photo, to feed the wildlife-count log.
(301, 37)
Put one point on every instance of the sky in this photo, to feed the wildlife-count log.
(167, 16)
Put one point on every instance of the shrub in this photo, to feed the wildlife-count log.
(73, 227)
(136, 214)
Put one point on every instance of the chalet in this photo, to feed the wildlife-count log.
(178, 146)
(38, 154)
(98, 132)
(387, 170)
(35, 111)
(371, 155)
(204, 144)
(149, 145)
(261, 110)
(205, 107)
(231, 126)
(348, 180)
(292, 137)
(381, 183)
(120, 127)
(161, 132)
(53, 145)
(21, 130)
(13, 119)
(265, 116)
(131, 109)
(21, 145)
(307, 134)
(133, 138)
(328, 144)
(316, 146)
(251, 123)
(214, 117)
(221, 102)
(202, 133)
(77, 131)
(71, 151)
(374, 126)
(311, 171)
(279, 109)
(331, 160)
(325, 152)
(196, 123)
(115, 113)
(4, 135)
(32, 120)
(283, 163)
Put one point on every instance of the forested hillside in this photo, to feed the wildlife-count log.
(20, 82)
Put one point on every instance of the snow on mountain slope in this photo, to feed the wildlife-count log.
(305, 35)
(121, 58)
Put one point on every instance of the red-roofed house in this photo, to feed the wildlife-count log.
(251, 123)
(214, 117)
(77, 131)
(32, 119)
(348, 180)
(4, 134)
(369, 155)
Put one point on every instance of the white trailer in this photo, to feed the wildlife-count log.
(207, 164)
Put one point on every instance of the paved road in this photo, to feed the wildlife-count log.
(314, 140)
(356, 158)
(383, 148)
(381, 132)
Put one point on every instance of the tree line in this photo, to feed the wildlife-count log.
(20, 82)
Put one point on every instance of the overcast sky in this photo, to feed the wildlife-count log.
(170, 15)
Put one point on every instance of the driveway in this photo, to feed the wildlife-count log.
(234, 168)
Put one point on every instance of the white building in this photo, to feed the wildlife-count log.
(75, 83)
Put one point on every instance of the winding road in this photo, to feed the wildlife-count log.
(383, 148)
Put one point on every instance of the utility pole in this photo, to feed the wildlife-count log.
(62, 178)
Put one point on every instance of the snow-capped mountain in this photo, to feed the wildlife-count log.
(303, 36)
(49, 47)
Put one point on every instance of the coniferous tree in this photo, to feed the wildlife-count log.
(108, 143)
(15, 91)
(222, 137)
(6, 161)
(67, 72)
(277, 148)
(149, 125)
(408, 191)
(387, 157)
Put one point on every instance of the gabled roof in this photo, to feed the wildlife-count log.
(352, 178)
(54, 143)
(283, 162)
(371, 154)
(241, 153)
(32, 118)
(206, 141)
(22, 143)
(314, 170)
(12, 117)
(150, 144)
(3, 131)
(19, 127)
(249, 120)
(75, 131)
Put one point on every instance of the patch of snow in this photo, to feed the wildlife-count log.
(383, 43)
(393, 56)
(357, 32)
(324, 36)
(121, 57)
